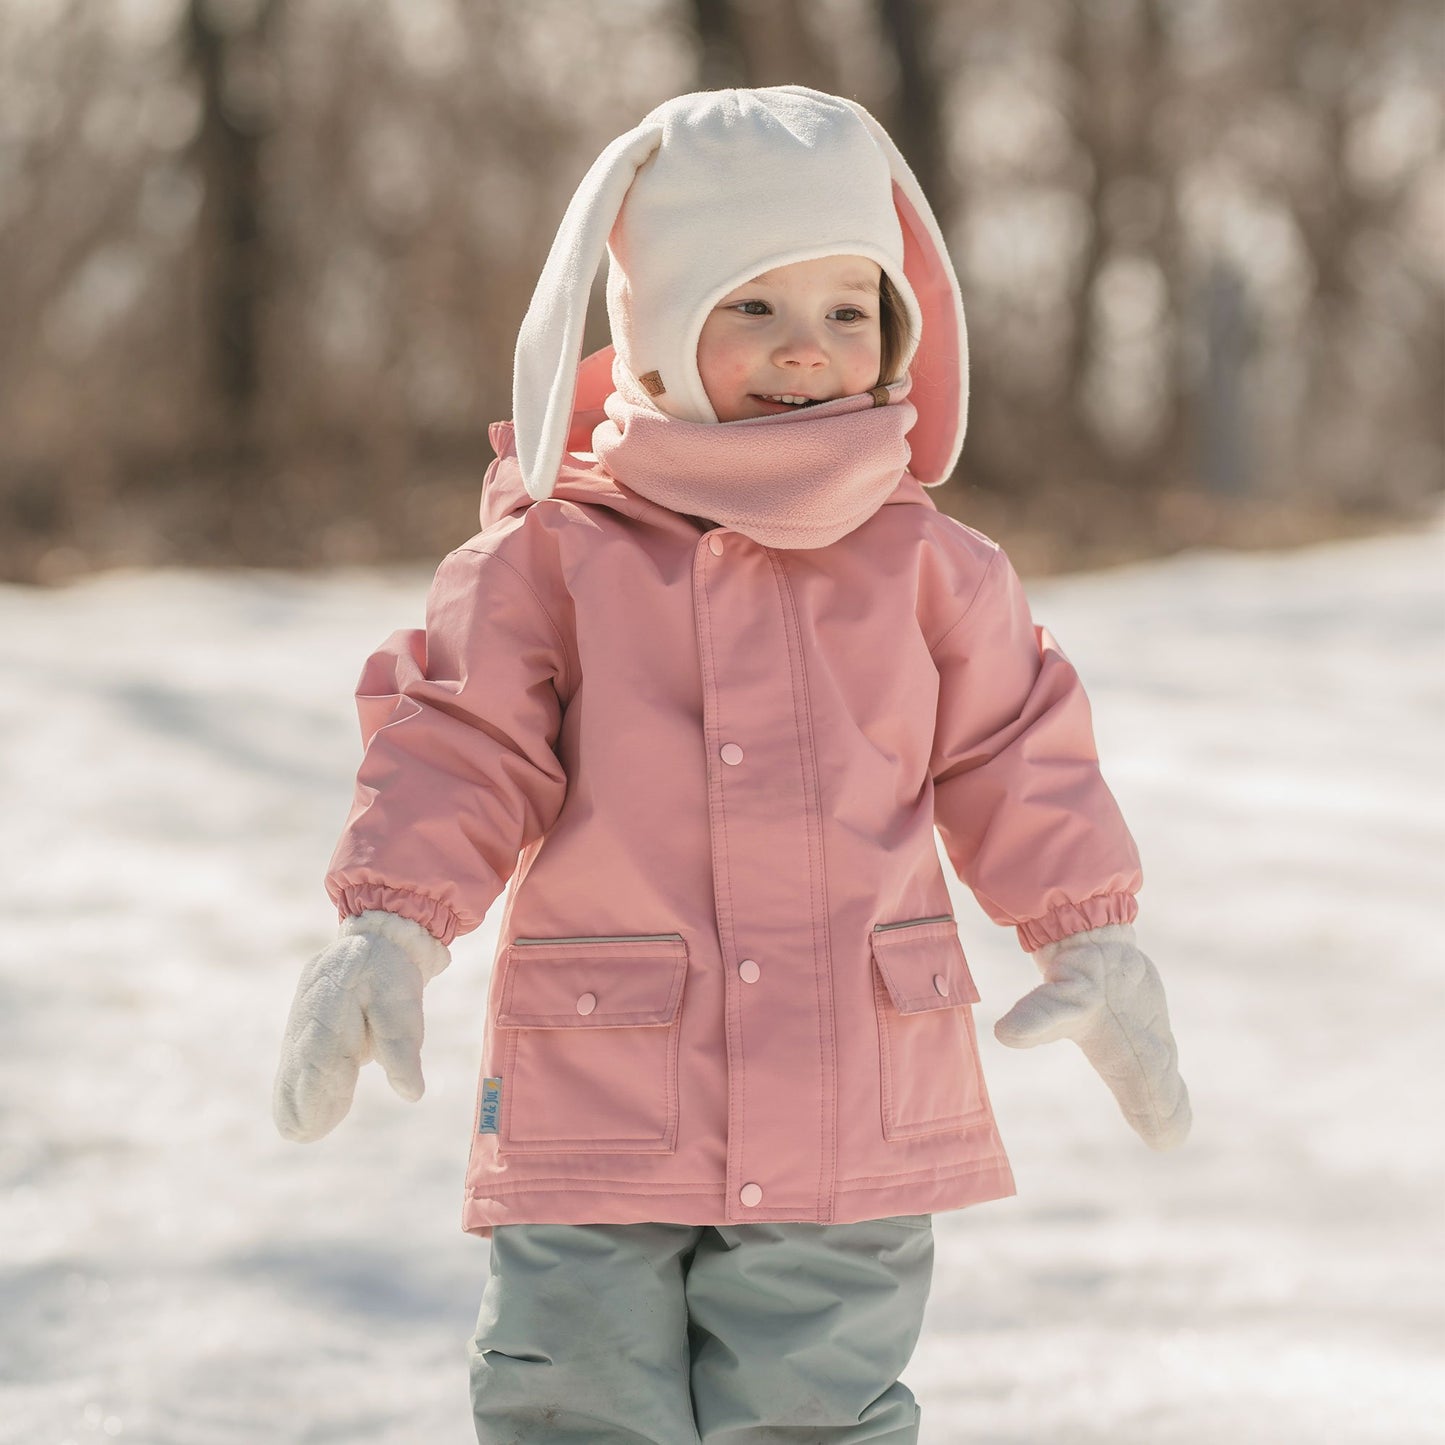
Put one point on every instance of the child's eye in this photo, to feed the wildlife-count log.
(849, 314)
(762, 307)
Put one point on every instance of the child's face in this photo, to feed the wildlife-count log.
(806, 330)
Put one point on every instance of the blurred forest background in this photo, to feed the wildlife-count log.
(262, 261)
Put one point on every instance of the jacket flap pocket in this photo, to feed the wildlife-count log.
(923, 966)
(597, 984)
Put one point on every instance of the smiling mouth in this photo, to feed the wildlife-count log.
(789, 399)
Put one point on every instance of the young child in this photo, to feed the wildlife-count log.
(700, 690)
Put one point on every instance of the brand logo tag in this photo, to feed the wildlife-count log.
(491, 1103)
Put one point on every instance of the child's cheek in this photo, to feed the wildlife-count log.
(728, 372)
(740, 368)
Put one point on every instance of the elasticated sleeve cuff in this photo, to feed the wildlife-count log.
(431, 913)
(1071, 918)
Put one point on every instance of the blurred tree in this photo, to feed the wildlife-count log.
(914, 116)
(229, 43)
(722, 61)
(1229, 338)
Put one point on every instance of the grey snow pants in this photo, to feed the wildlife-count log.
(680, 1334)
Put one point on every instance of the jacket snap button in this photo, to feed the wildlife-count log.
(749, 970)
(586, 1003)
(714, 545)
(751, 1194)
(732, 753)
(941, 984)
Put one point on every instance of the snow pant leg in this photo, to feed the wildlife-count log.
(799, 1332)
(582, 1336)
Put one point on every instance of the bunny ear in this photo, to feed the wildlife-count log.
(549, 343)
(940, 365)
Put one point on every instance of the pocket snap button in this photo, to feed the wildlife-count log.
(732, 754)
(586, 1003)
(941, 984)
(751, 1194)
(749, 970)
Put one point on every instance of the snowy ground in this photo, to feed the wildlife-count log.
(177, 753)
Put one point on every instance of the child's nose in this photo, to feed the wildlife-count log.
(801, 347)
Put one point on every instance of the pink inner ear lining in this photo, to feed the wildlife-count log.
(936, 365)
(594, 385)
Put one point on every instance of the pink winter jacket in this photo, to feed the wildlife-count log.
(728, 986)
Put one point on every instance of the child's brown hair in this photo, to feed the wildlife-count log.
(893, 326)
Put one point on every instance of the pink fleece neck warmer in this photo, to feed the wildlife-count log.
(800, 479)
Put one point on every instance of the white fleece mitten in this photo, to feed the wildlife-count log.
(1103, 993)
(357, 1000)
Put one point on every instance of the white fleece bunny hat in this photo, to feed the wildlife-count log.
(706, 192)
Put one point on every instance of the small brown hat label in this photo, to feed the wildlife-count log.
(652, 380)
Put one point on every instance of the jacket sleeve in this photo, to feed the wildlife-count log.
(1024, 813)
(459, 721)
